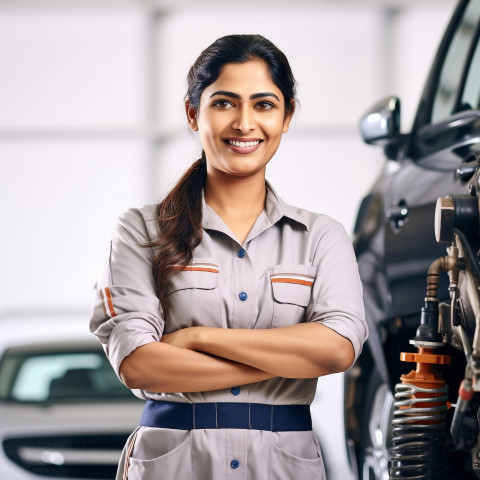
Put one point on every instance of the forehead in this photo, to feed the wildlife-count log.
(244, 78)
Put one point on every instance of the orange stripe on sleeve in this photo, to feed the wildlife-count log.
(110, 303)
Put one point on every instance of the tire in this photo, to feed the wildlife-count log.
(376, 430)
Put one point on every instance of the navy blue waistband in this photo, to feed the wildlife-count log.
(250, 416)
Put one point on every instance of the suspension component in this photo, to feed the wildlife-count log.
(419, 433)
(465, 394)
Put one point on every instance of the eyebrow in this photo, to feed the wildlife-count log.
(238, 97)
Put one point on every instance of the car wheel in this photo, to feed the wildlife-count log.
(376, 431)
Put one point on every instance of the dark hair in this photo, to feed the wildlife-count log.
(239, 49)
(179, 215)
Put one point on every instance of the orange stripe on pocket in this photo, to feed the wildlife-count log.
(200, 269)
(292, 280)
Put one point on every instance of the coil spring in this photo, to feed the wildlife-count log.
(418, 433)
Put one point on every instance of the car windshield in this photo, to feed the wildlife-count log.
(59, 376)
(445, 102)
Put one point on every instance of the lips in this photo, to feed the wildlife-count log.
(243, 145)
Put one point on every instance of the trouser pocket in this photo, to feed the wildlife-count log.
(288, 465)
(173, 464)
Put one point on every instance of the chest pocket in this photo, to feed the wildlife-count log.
(292, 291)
(194, 296)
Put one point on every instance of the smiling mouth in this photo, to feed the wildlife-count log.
(235, 143)
(242, 146)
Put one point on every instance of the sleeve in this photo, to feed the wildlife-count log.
(337, 300)
(126, 312)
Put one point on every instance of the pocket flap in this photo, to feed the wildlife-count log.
(201, 273)
(292, 283)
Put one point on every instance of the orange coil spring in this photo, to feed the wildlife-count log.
(418, 425)
(429, 385)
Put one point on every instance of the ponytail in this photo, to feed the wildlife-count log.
(179, 220)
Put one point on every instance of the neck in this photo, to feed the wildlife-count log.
(226, 194)
(237, 201)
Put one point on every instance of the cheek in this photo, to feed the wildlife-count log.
(274, 126)
(210, 129)
(207, 136)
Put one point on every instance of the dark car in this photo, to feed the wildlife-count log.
(394, 234)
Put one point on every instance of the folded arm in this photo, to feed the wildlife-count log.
(304, 350)
(160, 367)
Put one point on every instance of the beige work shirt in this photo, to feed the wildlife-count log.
(295, 266)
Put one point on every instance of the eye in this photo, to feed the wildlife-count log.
(264, 105)
(222, 104)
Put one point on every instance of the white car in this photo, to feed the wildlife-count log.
(63, 412)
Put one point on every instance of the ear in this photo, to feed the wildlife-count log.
(288, 116)
(191, 116)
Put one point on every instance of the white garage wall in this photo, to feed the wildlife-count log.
(72, 70)
(59, 202)
(72, 152)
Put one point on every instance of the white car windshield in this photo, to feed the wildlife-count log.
(58, 376)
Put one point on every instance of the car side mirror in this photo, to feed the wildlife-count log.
(381, 124)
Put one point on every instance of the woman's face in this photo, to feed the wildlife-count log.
(240, 120)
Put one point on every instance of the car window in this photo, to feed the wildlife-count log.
(471, 91)
(61, 376)
(444, 102)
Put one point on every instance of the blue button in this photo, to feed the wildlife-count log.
(235, 390)
(234, 463)
(241, 253)
(242, 296)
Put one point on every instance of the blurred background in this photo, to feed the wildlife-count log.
(92, 123)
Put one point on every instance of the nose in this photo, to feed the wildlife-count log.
(244, 120)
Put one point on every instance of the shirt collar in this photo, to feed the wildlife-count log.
(275, 210)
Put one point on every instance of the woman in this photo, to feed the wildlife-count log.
(227, 294)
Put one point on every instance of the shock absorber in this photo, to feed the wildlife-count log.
(418, 433)
(418, 425)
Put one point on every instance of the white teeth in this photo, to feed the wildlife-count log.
(243, 144)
